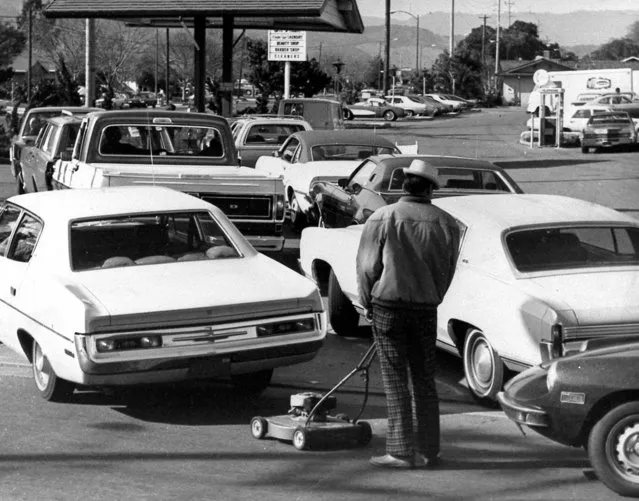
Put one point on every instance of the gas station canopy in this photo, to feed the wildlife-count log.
(227, 15)
(308, 15)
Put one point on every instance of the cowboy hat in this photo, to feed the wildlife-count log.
(419, 167)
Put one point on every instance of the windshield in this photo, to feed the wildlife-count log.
(334, 152)
(156, 238)
(173, 140)
(573, 247)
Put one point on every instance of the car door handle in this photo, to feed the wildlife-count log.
(12, 291)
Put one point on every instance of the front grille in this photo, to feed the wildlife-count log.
(240, 207)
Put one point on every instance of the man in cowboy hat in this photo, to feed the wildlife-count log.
(405, 264)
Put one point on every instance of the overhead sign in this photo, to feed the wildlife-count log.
(286, 45)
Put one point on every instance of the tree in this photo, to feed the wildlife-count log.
(633, 32)
(12, 43)
(308, 78)
(616, 49)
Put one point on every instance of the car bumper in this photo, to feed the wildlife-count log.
(210, 367)
(524, 414)
(606, 142)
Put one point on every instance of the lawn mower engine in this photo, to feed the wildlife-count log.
(310, 423)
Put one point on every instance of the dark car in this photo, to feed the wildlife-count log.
(591, 400)
(378, 180)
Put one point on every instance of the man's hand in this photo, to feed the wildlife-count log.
(368, 315)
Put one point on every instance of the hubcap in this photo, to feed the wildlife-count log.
(482, 364)
(627, 452)
(40, 368)
(257, 428)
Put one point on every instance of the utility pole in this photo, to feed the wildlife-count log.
(30, 56)
(387, 48)
(451, 44)
(483, 49)
(498, 35)
(89, 76)
(168, 71)
(320, 54)
(510, 4)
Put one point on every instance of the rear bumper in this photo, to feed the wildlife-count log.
(203, 367)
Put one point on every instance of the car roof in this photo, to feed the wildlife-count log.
(64, 205)
(65, 119)
(511, 210)
(318, 137)
(439, 161)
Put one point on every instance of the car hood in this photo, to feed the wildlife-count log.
(323, 170)
(210, 290)
(601, 297)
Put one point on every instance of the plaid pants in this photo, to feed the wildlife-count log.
(406, 349)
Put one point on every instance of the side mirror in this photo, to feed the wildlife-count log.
(356, 188)
(343, 182)
(65, 156)
(276, 153)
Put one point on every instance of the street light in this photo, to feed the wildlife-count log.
(416, 34)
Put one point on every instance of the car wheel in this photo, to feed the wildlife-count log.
(483, 367)
(585, 149)
(348, 115)
(410, 113)
(341, 313)
(390, 116)
(613, 448)
(50, 386)
(252, 382)
(298, 218)
(259, 427)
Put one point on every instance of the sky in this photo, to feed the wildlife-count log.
(376, 8)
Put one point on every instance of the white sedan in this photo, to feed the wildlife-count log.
(309, 157)
(538, 276)
(135, 285)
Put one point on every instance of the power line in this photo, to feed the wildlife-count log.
(509, 4)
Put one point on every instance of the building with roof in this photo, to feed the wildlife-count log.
(41, 68)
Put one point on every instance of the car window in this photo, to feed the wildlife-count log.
(397, 180)
(573, 247)
(49, 141)
(363, 174)
(289, 149)
(582, 114)
(491, 181)
(171, 140)
(8, 219)
(335, 152)
(271, 134)
(142, 239)
(464, 179)
(25, 239)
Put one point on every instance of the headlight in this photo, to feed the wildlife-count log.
(551, 376)
(105, 345)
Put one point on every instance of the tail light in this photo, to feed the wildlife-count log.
(279, 207)
(557, 341)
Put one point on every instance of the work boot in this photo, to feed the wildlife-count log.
(389, 461)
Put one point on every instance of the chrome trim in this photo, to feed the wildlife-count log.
(521, 414)
(593, 331)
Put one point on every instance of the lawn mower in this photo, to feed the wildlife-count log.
(311, 423)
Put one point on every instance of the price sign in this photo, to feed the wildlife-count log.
(286, 45)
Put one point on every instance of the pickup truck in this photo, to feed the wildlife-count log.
(263, 135)
(189, 152)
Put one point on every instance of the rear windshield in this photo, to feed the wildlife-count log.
(609, 119)
(573, 247)
(170, 140)
(348, 151)
(148, 239)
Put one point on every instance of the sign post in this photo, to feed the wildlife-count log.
(286, 46)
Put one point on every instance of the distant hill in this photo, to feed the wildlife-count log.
(577, 28)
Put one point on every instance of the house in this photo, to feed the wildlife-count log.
(41, 69)
(517, 77)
